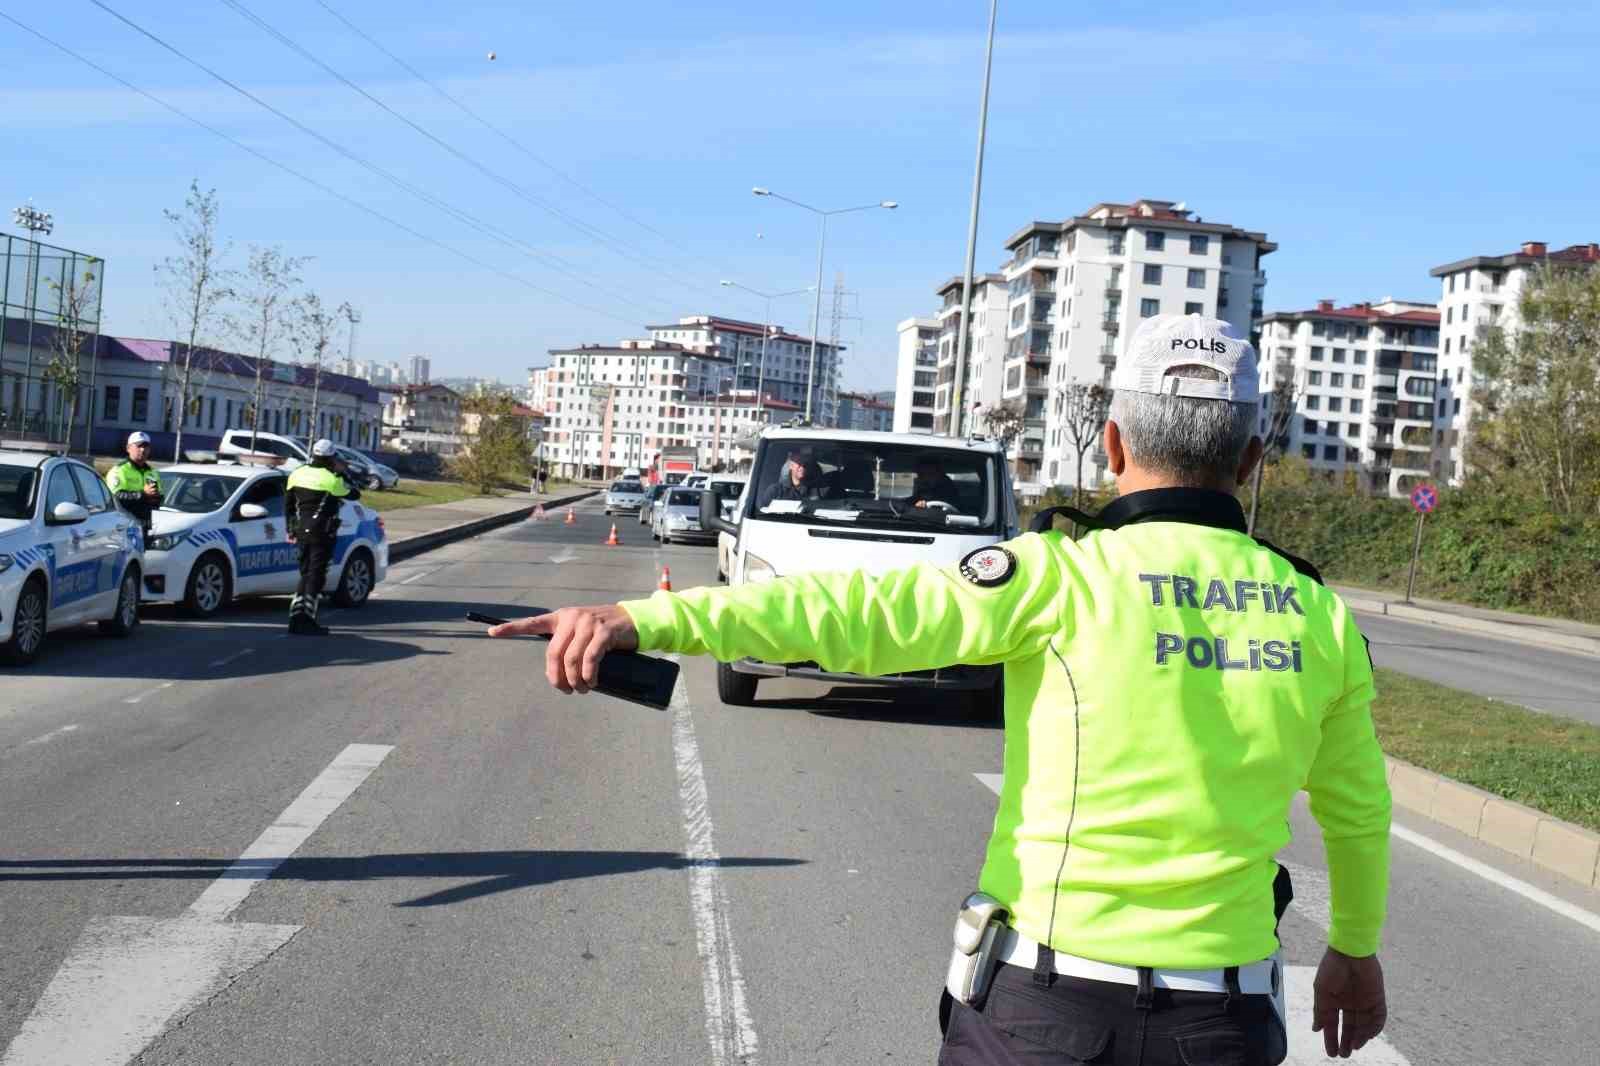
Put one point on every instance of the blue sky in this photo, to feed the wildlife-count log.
(1370, 141)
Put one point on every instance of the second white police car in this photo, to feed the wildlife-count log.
(221, 534)
(68, 554)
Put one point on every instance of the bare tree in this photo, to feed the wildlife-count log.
(263, 320)
(65, 369)
(1083, 415)
(312, 336)
(1279, 412)
(197, 285)
(1005, 421)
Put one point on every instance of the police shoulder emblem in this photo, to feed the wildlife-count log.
(989, 566)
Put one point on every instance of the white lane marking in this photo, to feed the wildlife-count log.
(419, 577)
(149, 692)
(48, 737)
(566, 556)
(1529, 892)
(235, 657)
(1311, 900)
(129, 979)
(728, 1025)
(298, 821)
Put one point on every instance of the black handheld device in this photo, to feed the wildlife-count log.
(626, 675)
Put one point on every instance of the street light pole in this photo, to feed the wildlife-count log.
(35, 222)
(972, 234)
(822, 241)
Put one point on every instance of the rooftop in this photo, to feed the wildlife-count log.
(1171, 215)
(1363, 312)
(1530, 253)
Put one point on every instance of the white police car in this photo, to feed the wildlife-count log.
(220, 534)
(68, 554)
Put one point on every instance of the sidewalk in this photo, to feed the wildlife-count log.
(416, 529)
(1526, 628)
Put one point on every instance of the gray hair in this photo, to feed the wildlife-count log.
(1192, 440)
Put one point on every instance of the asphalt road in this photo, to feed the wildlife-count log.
(496, 874)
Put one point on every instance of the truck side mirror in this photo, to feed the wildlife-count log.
(711, 515)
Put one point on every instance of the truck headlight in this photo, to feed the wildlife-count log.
(757, 569)
(165, 542)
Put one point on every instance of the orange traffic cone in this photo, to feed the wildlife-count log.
(665, 584)
(612, 540)
(571, 518)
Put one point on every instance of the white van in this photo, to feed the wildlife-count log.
(870, 501)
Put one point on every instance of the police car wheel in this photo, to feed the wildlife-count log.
(355, 583)
(209, 586)
(735, 689)
(27, 626)
(126, 620)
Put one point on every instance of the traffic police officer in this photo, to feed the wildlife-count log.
(1171, 684)
(315, 494)
(135, 483)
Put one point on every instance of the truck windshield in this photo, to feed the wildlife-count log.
(875, 485)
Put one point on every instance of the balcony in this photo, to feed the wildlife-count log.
(1108, 357)
(1037, 381)
(1038, 357)
(1110, 326)
(1030, 448)
(1412, 460)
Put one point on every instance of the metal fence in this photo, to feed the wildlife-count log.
(48, 295)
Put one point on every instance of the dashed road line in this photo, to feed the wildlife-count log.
(235, 657)
(147, 693)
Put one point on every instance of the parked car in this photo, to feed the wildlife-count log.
(696, 481)
(237, 442)
(362, 470)
(221, 534)
(677, 517)
(388, 476)
(624, 496)
(68, 554)
(861, 514)
(652, 497)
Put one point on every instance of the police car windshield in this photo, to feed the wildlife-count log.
(197, 493)
(866, 484)
(16, 491)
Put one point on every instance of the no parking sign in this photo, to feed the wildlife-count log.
(1424, 498)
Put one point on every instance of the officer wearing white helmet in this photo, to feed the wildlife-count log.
(1171, 684)
(135, 483)
(312, 501)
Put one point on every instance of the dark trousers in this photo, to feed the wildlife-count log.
(1074, 1020)
(315, 554)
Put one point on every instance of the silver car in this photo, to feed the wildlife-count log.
(678, 517)
(624, 496)
(647, 510)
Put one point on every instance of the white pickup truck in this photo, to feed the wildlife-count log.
(881, 502)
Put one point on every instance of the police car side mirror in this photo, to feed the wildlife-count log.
(67, 514)
(711, 514)
(249, 511)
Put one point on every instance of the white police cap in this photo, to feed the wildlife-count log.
(138, 437)
(1163, 342)
(323, 448)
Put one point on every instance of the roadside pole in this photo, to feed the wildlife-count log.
(1424, 498)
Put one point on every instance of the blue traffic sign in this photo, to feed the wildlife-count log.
(1424, 498)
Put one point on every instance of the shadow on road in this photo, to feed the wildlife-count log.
(868, 703)
(489, 872)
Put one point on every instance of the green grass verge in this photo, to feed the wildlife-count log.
(418, 494)
(1549, 763)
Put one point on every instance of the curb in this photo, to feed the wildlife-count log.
(1551, 844)
(405, 549)
(1466, 624)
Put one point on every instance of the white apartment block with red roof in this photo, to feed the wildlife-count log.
(1476, 294)
(1076, 290)
(1364, 388)
(788, 359)
(986, 340)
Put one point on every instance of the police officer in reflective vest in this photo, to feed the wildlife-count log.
(313, 500)
(135, 483)
(1171, 684)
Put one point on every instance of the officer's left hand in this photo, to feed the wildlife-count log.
(579, 638)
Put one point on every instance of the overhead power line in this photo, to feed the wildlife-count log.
(313, 182)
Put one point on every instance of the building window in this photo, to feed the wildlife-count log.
(1336, 403)
(1199, 244)
(1194, 309)
(1360, 357)
(1309, 427)
(1117, 244)
(1316, 353)
(1197, 278)
(113, 403)
(1353, 429)
(1313, 403)
(1355, 407)
(1154, 240)
(1330, 452)
(1338, 355)
(1152, 274)
(1308, 450)
(1336, 380)
(1314, 377)
(211, 413)
(141, 406)
(1452, 283)
(1149, 308)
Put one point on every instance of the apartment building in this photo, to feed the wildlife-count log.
(1364, 388)
(916, 373)
(864, 411)
(788, 359)
(1475, 294)
(1076, 290)
(537, 393)
(985, 350)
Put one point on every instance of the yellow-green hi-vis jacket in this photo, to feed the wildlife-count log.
(1170, 684)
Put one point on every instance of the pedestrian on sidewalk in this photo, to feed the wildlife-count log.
(1171, 684)
(313, 500)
